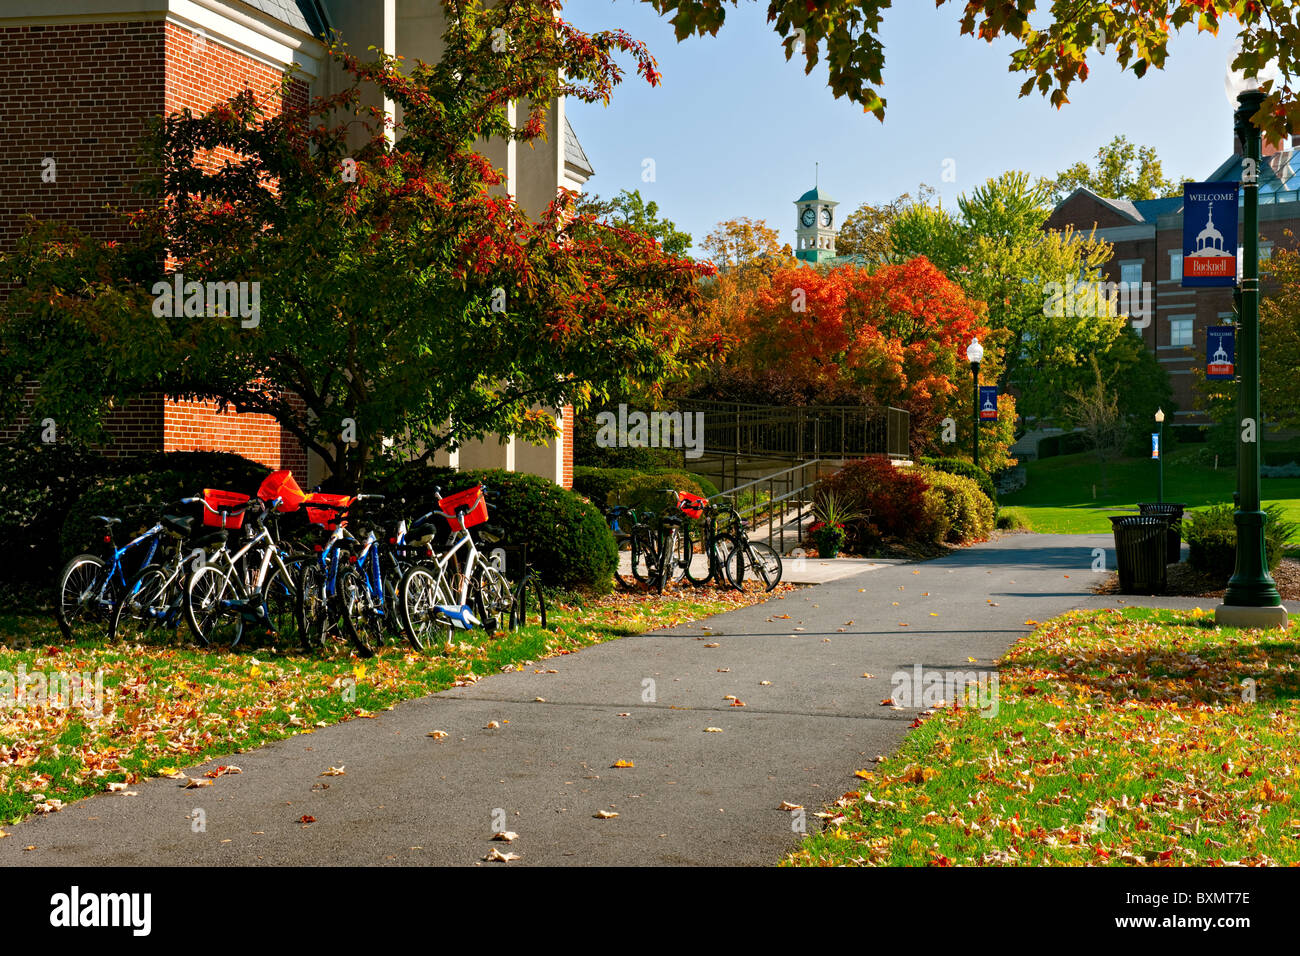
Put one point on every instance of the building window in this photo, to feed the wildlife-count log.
(1131, 272)
(1227, 318)
(1180, 330)
(1175, 265)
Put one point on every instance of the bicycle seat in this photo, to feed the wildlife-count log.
(211, 538)
(107, 520)
(672, 518)
(178, 525)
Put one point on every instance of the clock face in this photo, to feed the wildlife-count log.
(809, 216)
(826, 217)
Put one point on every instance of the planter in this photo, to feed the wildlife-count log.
(829, 541)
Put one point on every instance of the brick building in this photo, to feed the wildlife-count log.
(1148, 241)
(81, 80)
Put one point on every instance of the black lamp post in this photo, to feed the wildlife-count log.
(974, 355)
(1251, 599)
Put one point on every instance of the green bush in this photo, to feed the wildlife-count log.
(959, 466)
(1211, 536)
(569, 543)
(610, 486)
(1012, 519)
(39, 482)
(148, 483)
(968, 511)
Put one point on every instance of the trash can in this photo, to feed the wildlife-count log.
(1141, 543)
(1175, 513)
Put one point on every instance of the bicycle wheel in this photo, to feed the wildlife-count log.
(422, 590)
(77, 597)
(645, 559)
(625, 579)
(698, 568)
(754, 556)
(669, 559)
(214, 606)
(280, 602)
(493, 597)
(313, 606)
(528, 606)
(151, 602)
(361, 615)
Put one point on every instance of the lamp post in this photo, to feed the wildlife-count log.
(1251, 599)
(974, 355)
(1160, 452)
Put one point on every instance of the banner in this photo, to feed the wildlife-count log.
(1219, 355)
(1209, 234)
(988, 402)
(1155, 444)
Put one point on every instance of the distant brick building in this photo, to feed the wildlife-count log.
(1148, 241)
(82, 79)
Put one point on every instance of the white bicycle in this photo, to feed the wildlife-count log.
(460, 590)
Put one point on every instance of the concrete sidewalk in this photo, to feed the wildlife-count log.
(811, 718)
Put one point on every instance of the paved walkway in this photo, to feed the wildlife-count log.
(693, 797)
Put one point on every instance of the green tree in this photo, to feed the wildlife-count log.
(398, 293)
(1051, 47)
(1123, 171)
(865, 231)
(744, 242)
(628, 210)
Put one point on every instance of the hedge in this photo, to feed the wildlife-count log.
(610, 486)
(1211, 535)
(569, 542)
(968, 511)
(959, 466)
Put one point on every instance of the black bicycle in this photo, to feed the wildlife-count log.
(716, 528)
(659, 555)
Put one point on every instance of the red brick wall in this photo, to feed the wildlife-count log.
(82, 95)
(200, 426)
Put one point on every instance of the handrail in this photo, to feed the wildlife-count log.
(797, 495)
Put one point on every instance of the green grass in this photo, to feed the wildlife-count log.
(1134, 737)
(169, 706)
(1059, 494)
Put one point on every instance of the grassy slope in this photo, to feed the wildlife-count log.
(1059, 494)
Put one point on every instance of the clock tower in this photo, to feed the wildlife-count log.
(815, 227)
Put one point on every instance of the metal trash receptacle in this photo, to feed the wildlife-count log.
(1141, 545)
(1175, 512)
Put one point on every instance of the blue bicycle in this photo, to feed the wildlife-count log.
(90, 585)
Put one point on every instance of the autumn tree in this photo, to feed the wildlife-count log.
(628, 210)
(1122, 171)
(399, 294)
(865, 231)
(743, 241)
(1051, 47)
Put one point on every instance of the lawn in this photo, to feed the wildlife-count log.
(1133, 737)
(1064, 495)
(169, 706)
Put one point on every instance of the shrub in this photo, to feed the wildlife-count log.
(1066, 443)
(1211, 537)
(611, 486)
(146, 484)
(39, 482)
(959, 466)
(568, 541)
(967, 510)
(1012, 519)
(894, 498)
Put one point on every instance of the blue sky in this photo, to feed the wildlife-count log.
(734, 130)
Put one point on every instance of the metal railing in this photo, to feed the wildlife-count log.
(787, 491)
(801, 432)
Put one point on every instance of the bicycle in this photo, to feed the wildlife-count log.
(155, 598)
(615, 517)
(763, 559)
(226, 593)
(717, 538)
(658, 551)
(528, 591)
(89, 586)
(435, 595)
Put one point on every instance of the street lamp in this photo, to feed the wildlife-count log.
(974, 355)
(1160, 452)
(1251, 599)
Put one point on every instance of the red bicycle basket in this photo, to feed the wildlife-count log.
(280, 484)
(471, 498)
(327, 517)
(219, 500)
(691, 505)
